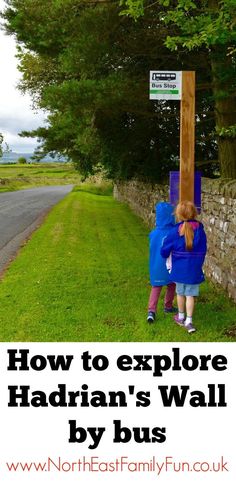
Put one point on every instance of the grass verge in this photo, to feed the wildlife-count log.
(83, 277)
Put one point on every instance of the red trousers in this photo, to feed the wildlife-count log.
(155, 294)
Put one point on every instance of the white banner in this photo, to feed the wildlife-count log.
(117, 411)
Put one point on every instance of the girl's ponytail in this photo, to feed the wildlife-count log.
(186, 211)
(187, 230)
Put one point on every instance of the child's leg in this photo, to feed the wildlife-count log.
(154, 297)
(170, 294)
(181, 306)
(191, 292)
(189, 306)
(189, 311)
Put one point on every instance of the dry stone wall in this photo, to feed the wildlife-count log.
(218, 215)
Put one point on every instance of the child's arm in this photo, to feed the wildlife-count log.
(167, 246)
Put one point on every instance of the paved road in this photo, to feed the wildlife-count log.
(20, 214)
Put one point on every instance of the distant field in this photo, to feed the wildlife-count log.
(15, 177)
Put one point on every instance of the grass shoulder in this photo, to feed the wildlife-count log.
(84, 277)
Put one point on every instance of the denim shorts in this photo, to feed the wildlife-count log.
(187, 289)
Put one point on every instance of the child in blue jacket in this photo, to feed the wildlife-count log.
(187, 245)
(159, 275)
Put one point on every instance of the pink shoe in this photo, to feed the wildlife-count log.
(190, 328)
(178, 321)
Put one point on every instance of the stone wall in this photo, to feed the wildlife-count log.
(218, 216)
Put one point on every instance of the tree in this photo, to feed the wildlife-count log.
(22, 160)
(1, 141)
(209, 25)
(88, 67)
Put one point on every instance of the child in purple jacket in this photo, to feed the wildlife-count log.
(187, 245)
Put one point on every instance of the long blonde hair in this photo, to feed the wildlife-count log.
(185, 211)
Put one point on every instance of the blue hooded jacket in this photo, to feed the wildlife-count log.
(159, 275)
(186, 265)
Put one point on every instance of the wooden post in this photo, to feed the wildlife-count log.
(187, 137)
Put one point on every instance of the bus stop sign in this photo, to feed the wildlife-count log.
(165, 85)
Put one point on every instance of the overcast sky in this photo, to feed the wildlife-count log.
(16, 113)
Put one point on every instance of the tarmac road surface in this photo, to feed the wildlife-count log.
(21, 212)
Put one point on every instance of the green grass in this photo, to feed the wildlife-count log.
(101, 188)
(84, 277)
(15, 177)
